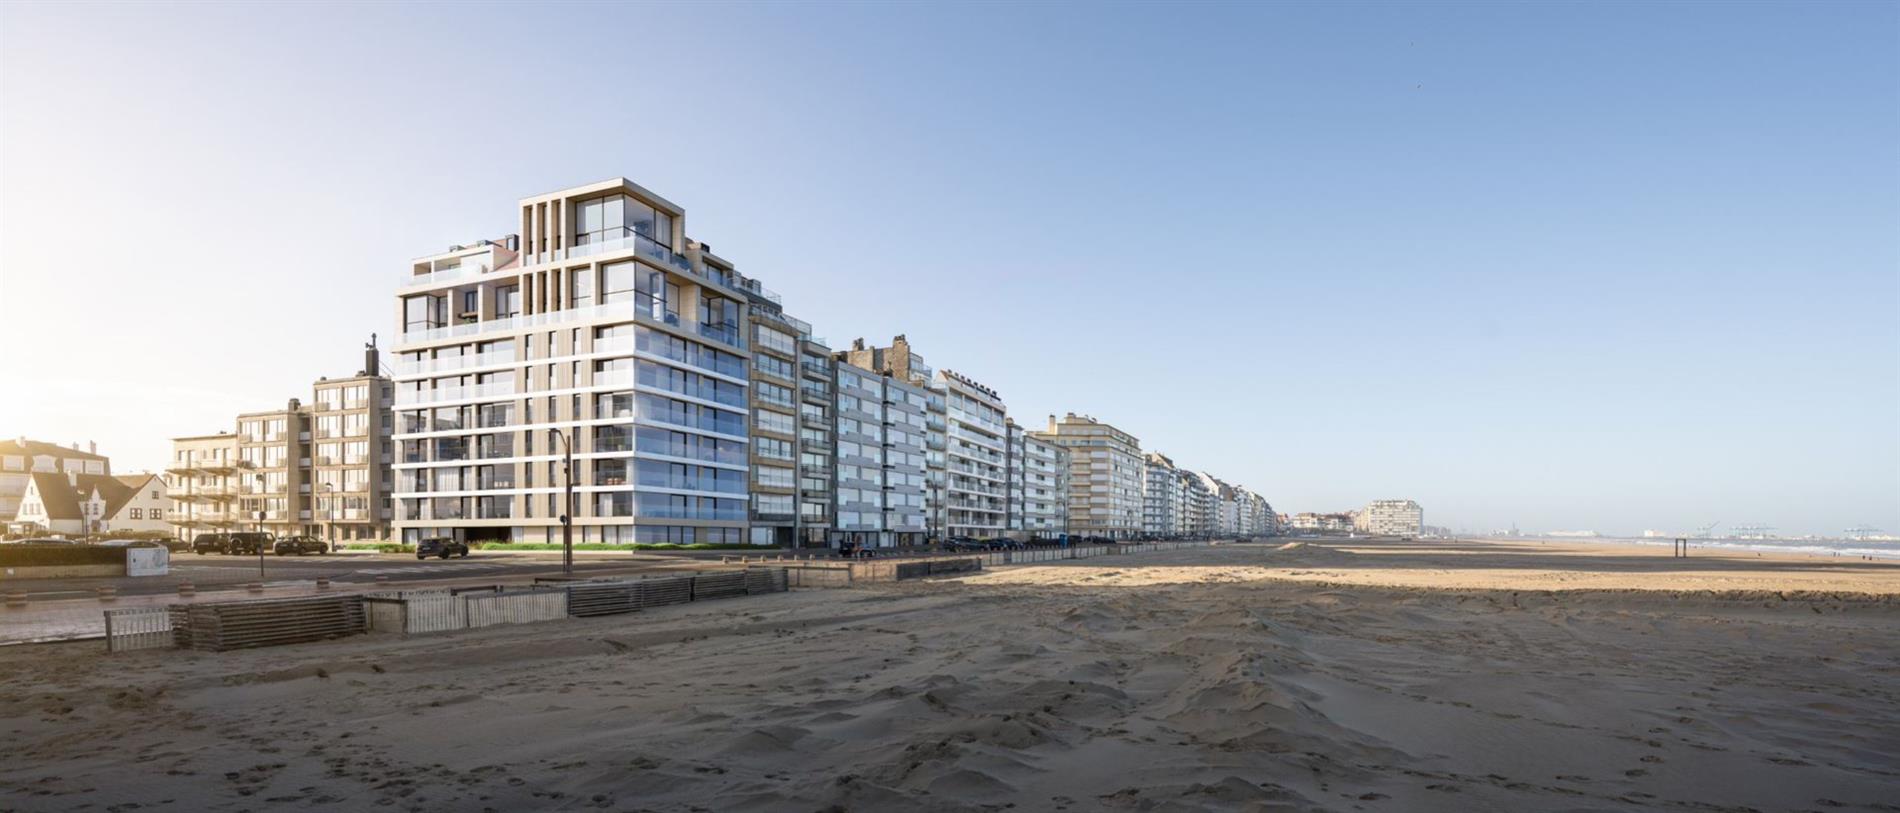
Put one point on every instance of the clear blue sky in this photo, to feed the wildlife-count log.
(1610, 266)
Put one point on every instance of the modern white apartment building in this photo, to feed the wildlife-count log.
(1394, 518)
(598, 330)
(1162, 512)
(1045, 469)
(881, 463)
(976, 458)
(1105, 476)
(904, 368)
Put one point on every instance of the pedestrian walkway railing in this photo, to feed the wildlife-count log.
(138, 628)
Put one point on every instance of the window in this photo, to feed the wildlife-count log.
(773, 476)
(616, 217)
(774, 394)
(423, 311)
(776, 340)
(507, 301)
(773, 366)
(583, 287)
(136, 514)
(773, 504)
(773, 448)
(772, 421)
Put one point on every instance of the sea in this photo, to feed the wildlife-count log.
(1841, 548)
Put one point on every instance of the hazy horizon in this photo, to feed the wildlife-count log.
(1640, 276)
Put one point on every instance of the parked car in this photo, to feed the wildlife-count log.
(132, 543)
(211, 543)
(250, 543)
(299, 545)
(441, 546)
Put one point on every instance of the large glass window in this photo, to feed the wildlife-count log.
(423, 312)
(616, 217)
(583, 287)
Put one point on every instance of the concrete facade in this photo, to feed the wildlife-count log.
(1105, 476)
(1393, 518)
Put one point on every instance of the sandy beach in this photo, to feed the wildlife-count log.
(1284, 676)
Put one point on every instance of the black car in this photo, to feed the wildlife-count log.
(211, 543)
(299, 545)
(441, 546)
(250, 543)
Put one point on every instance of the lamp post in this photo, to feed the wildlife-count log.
(567, 507)
(329, 533)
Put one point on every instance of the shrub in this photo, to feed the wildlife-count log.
(59, 555)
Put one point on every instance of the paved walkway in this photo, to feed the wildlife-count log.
(64, 619)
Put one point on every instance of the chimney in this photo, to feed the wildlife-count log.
(92, 447)
(372, 364)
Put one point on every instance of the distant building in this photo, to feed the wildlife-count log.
(1161, 513)
(1105, 482)
(1393, 518)
(90, 504)
(20, 459)
(319, 469)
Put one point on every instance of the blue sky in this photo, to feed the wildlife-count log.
(1610, 266)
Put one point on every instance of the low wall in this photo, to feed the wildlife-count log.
(821, 573)
(60, 561)
(62, 571)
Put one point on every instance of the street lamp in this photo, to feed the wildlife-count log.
(330, 531)
(567, 510)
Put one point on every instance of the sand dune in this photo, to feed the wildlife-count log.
(1237, 678)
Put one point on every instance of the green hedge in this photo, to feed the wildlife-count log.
(380, 547)
(59, 555)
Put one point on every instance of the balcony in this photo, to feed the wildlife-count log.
(406, 369)
(450, 274)
(411, 398)
(640, 244)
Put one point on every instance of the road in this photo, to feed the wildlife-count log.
(227, 572)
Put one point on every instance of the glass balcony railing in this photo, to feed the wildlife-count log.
(629, 239)
(409, 398)
(449, 274)
(413, 368)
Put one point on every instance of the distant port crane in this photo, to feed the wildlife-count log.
(1861, 532)
(1751, 531)
(1706, 531)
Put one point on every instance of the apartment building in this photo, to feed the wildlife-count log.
(1105, 480)
(817, 444)
(776, 399)
(900, 363)
(350, 481)
(21, 458)
(1162, 512)
(204, 483)
(601, 331)
(1016, 477)
(319, 469)
(976, 458)
(881, 463)
(1045, 487)
(1393, 518)
(1197, 505)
